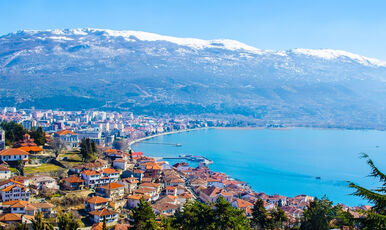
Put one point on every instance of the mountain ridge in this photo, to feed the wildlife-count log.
(115, 70)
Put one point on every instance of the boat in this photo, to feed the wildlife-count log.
(318, 178)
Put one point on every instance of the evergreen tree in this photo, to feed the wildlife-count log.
(260, 215)
(195, 215)
(67, 222)
(22, 226)
(376, 217)
(39, 224)
(13, 132)
(144, 217)
(20, 167)
(343, 218)
(38, 135)
(278, 217)
(228, 217)
(87, 149)
(318, 215)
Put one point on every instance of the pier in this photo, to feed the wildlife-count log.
(204, 160)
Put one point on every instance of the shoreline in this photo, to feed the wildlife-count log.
(164, 134)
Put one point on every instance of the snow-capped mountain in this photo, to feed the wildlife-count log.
(147, 72)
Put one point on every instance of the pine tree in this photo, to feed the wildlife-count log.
(195, 216)
(39, 224)
(87, 149)
(260, 215)
(318, 215)
(228, 217)
(376, 217)
(22, 226)
(67, 222)
(278, 217)
(144, 217)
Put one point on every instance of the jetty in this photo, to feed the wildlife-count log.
(162, 143)
(200, 159)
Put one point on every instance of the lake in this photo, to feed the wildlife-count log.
(283, 161)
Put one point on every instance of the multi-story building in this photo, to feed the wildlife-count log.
(68, 137)
(7, 155)
(15, 192)
(2, 139)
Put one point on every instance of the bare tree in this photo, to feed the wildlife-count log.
(58, 146)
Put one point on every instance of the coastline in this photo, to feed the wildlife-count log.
(165, 133)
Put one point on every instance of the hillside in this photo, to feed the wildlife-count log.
(149, 73)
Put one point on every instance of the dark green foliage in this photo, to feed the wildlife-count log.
(20, 167)
(196, 215)
(144, 217)
(228, 217)
(343, 218)
(66, 221)
(376, 217)
(260, 215)
(21, 226)
(39, 224)
(104, 226)
(13, 132)
(318, 215)
(278, 218)
(38, 135)
(120, 144)
(88, 149)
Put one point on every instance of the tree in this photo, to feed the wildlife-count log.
(38, 135)
(195, 215)
(278, 217)
(104, 226)
(376, 217)
(22, 226)
(13, 132)
(228, 217)
(120, 144)
(144, 217)
(20, 167)
(39, 224)
(66, 221)
(317, 215)
(342, 218)
(87, 149)
(260, 215)
(58, 146)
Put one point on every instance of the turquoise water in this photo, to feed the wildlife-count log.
(283, 161)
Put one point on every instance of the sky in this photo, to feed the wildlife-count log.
(355, 26)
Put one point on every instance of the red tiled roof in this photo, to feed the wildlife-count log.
(112, 186)
(97, 200)
(103, 212)
(13, 152)
(110, 171)
(65, 132)
(73, 179)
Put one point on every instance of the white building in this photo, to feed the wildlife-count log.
(15, 192)
(13, 155)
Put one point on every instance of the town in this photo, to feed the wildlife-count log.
(55, 162)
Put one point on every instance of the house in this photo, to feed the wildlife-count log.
(44, 182)
(164, 208)
(68, 137)
(210, 194)
(130, 184)
(24, 207)
(151, 185)
(181, 199)
(11, 218)
(120, 164)
(93, 178)
(112, 174)
(181, 166)
(104, 214)
(175, 182)
(15, 192)
(243, 205)
(133, 200)
(5, 173)
(152, 192)
(171, 190)
(95, 203)
(27, 144)
(112, 190)
(73, 182)
(13, 155)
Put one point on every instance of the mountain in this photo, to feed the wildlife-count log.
(149, 73)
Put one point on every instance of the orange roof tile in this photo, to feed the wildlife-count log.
(13, 152)
(103, 212)
(73, 179)
(110, 171)
(97, 200)
(65, 132)
(111, 186)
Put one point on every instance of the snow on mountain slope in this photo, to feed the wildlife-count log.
(113, 69)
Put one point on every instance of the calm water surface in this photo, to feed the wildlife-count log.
(283, 161)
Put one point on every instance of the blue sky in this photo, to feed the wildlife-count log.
(355, 26)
